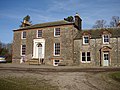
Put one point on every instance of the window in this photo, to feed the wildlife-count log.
(57, 49)
(23, 50)
(39, 33)
(105, 39)
(23, 35)
(86, 57)
(85, 39)
(57, 32)
(106, 56)
(56, 62)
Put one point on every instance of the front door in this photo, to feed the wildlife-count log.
(105, 58)
(38, 48)
(40, 51)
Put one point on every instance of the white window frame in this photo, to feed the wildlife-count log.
(54, 51)
(55, 32)
(84, 40)
(56, 63)
(37, 33)
(22, 50)
(103, 38)
(22, 35)
(86, 57)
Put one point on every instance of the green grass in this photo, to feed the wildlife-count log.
(115, 76)
(13, 83)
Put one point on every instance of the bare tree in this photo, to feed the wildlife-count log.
(100, 24)
(114, 22)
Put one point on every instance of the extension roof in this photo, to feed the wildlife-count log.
(97, 33)
(48, 24)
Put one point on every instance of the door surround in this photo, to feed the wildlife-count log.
(105, 50)
(36, 44)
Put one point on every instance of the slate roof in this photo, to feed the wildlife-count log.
(97, 33)
(48, 24)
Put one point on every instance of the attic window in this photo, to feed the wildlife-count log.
(106, 39)
(85, 39)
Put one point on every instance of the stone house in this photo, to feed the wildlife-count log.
(65, 43)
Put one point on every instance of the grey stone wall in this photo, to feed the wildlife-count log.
(94, 47)
(16, 53)
(66, 43)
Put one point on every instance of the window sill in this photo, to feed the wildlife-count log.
(23, 38)
(57, 36)
(85, 61)
(56, 55)
(106, 43)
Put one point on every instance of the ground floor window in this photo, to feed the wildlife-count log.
(57, 49)
(86, 57)
(56, 62)
(23, 50)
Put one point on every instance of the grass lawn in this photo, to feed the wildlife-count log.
(115, 76)
(13, 83)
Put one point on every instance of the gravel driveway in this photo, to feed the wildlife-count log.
(73, 80)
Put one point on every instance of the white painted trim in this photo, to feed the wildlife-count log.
(55, 31)
(22, 34)
(54, 62)
(103, 38)
(35, 48)
(54, 51)
(37, 34)
(86, 58)
(84, 40)
(107, 60)
(21, 51)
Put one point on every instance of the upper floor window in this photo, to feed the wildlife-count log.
(23, 50)
(57, 32)
(57, 49)
(86, 57)
(24, 35)
(39, 33)
(85, 39)
(106, 39)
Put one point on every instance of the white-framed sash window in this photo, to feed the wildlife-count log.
(56, 32)
(56, 49)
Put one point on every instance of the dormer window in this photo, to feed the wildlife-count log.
(106, 39)
(57, 32)
(23, 35)
(85, 39)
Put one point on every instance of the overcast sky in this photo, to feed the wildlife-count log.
(13, 11)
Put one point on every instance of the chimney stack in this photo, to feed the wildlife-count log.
(78, 22)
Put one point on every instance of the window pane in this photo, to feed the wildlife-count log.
(56, 60)
(106, 56)
(88, 59)
(39, 33)
(57, 48)
(83, 56)
(88, 54)
(86, 39)
(106, 38)
(83, 53)
(23, 49)
(24, 34)
(57, 31)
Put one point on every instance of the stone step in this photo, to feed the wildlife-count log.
(34, 62)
